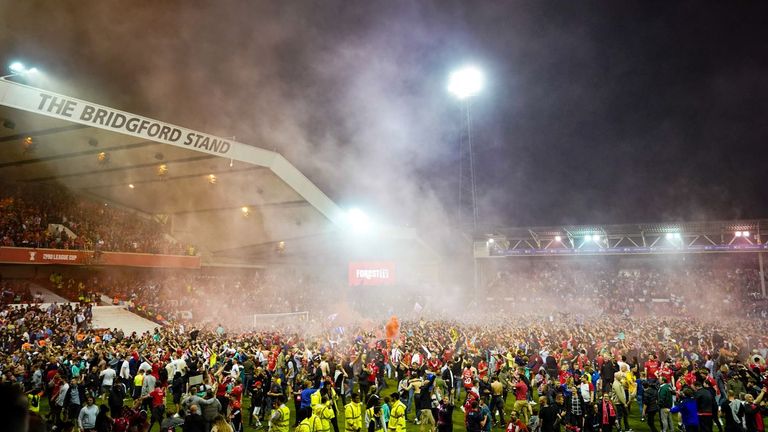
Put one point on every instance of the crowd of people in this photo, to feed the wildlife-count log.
(519, 372)
(47, 216)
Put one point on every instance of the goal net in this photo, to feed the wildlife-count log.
(287, 320)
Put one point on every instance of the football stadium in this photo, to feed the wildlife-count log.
(382, 239)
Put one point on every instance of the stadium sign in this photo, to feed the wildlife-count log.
(16, 255)
(371, 273)
(90, 114)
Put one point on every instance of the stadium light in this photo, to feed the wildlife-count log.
(596, 237)
(558, 238)
(491, 241)
(466, 82)
(18, 69)
(738, 234)
(588, 237)
(358, 221)
(745, 234)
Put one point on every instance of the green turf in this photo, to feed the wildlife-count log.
(458, 415)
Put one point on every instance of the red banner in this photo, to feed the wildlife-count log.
(371, 273)
(78, 257)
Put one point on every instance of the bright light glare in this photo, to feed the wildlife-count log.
(466, 82)
(745, 234)
(738, 233)
(17, 67)
(131, 186)
(669, 236)
(32, 71)
(588, 237)
(596, 237)
(558, 238)
(491, 240)
(358, 220)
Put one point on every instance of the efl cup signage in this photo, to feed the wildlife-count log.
(371, 273)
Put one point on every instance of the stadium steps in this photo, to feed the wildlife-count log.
(119, 317)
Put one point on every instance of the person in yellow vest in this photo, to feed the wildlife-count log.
(324, 412)
(396, 415)
(353, 414)
(306, 424)
(373, 418)
(281, 416)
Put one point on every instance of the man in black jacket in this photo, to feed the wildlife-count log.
(194, 422)
(705, 405)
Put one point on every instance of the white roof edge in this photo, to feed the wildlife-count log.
(63, 107)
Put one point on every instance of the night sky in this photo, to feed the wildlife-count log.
(594, 112)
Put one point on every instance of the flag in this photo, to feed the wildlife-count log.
(332, 317)
(339, 330)
(417, 307)
(454, 334)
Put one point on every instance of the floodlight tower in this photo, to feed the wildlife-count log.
(465, 83)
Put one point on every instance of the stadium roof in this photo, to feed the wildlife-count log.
(121, 165)
(663, 237)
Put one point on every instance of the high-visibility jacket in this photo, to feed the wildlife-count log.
(283, 423)
(325, 414)
(371, 417)
(353, 415)
(397, 417)
(305, 425)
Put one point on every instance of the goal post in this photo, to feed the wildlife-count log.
(280, 320)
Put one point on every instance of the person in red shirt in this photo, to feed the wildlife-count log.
(521, 399)
(482, 369)
(666, 372)
(434, 364)
(515, 424)
(158, 405)
(466, 377)
(651, 367)
(272, 360)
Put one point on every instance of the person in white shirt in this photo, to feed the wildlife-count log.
(125, 369)
(107, 379)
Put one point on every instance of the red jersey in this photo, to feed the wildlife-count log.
(434, 364)
(482, 369)
(271, 361)
(466, 378)
(666, 372)
(651, 367)
(158, 397)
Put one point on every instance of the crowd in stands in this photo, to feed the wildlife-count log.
(14, 291)
(727, 285)
(47, 216)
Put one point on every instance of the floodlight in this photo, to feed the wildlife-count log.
(558, 238)
(358, 220)
(131, 186)
(491, 240)
(669, 236)
(588, 237)
(17, 67)
(738, 234)
(745, 234)
(596, 237)
(466, 82)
